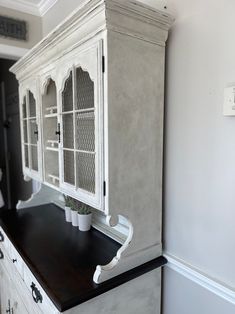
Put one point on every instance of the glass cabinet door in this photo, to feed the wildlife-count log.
(50, 134)
(30, 135)
(33, 132)
(81, 134)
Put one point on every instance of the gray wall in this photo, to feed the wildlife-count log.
(19, 188)
(199, 153)
(199, 150)
(183, 296)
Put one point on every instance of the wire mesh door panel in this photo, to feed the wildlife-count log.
(78, 119)
(68, 131)
(81, 128)
(85, 132)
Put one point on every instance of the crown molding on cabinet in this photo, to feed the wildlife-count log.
(45, 5)
(99, 15)
(38, 9)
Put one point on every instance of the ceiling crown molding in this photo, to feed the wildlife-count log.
(45, 5)
(38, 9)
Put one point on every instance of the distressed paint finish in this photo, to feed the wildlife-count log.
(141, 295)
(131, 37)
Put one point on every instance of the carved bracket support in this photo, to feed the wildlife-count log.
(114, 268)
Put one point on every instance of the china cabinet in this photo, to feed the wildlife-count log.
(92, 104)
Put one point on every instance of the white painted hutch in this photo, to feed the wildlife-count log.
(91, 108)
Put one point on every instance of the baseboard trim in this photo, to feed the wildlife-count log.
(195, 275)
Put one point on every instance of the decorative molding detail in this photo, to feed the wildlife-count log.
(105, 272)
(118, 233)
(96, 14)
(188, 271)
(38, 9)
(44, 195)
(12, 52)
(45, 5)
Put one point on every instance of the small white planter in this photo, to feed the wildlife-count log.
(68, 216)
(74, 215)
(84, 222)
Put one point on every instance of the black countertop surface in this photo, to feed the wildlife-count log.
(62, 258)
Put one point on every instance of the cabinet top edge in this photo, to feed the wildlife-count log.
(83, 13)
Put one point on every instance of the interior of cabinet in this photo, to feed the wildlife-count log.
(30, 131)
(50, 134)
(78, 124)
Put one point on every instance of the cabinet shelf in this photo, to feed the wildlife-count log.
(29, 118)
(52, 142)
(51, 115)
(51, 109)
(55, 179)
(52, 149)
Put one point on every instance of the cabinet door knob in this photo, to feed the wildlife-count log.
(37, 297)
(36, 134)
(1, 237)
(1, 255)
(58, 132)
(14, 260)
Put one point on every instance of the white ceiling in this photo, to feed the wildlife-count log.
(35, 7)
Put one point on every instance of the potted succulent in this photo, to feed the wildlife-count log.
(74, 212)
(84, 217)
(67, 208)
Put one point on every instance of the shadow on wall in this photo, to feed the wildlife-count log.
(13, 186)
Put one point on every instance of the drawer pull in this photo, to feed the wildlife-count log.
(14, 260)
(1, 237)
(36, 293)
(1, 255)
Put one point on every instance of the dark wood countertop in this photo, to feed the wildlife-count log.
(62, 258)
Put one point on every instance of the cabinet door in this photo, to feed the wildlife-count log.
(82, 128)
(50, 132)
(30, 135)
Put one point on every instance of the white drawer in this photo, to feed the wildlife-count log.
(4, 241)
(16, 260)
(39, 296)
(12, 253)
(17, 286)
(5, 260)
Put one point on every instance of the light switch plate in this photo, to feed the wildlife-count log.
(229, 100)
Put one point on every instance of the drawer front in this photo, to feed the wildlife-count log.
(39, 296)
(18, 294)
(28, 287)
(16, 260)
(4, 241)
(11, 252)
(5, 261)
